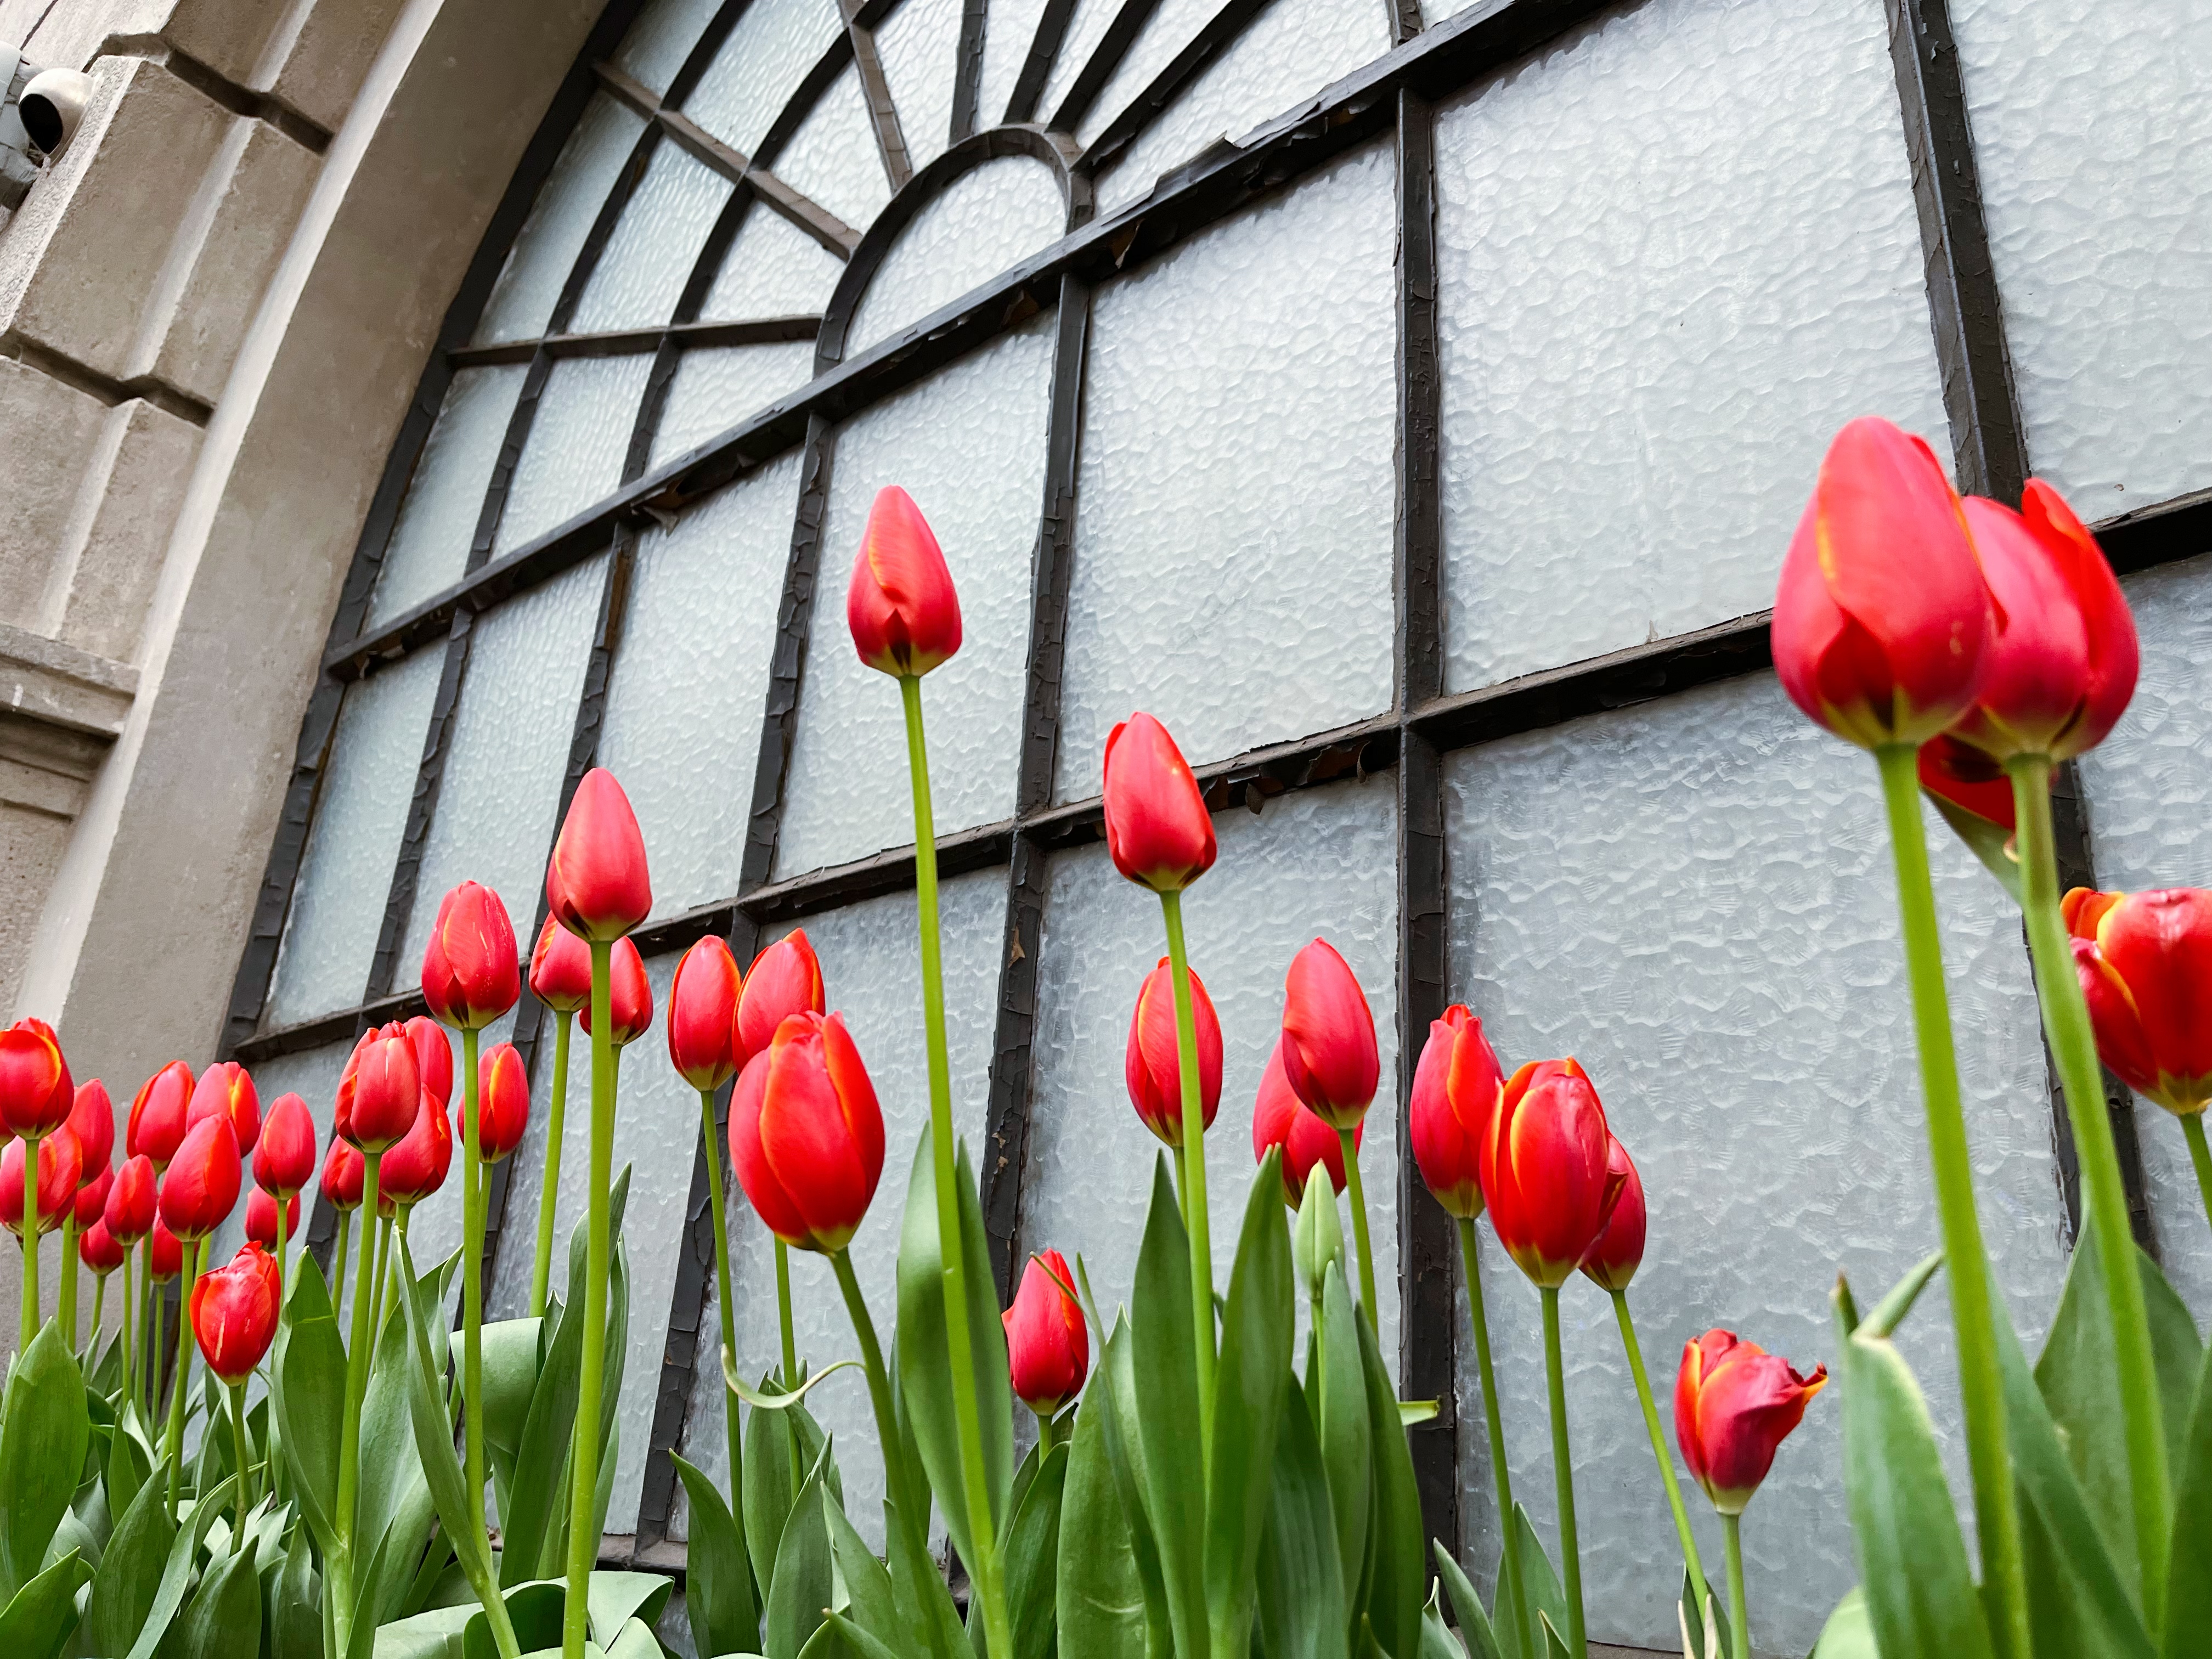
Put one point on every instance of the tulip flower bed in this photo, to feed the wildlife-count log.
(1201, 1484)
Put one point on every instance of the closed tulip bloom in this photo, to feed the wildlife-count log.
(470, 974)
(433, 1056)
(1280, 1118)
(1157, 828)
(156, 1127)
(36, 1093)
(166, 1255)
(1047, 1346)
(201, 1188)
(1965, 779)
(595, 881)
(99, 1250)
(1153, 1063)
(1881, 613)
(703, 1015)
(261, 1217)
(2145, 965)
(134, 1201)
(806, 1136)
(560, 969)
(1735, 1404)
(629, 996)
(58, 1165)
(92, 1121)
(91, 1199)
(343, 1172)
(378, 1097)
(233, 1310)
(786, 979)
(1547, 1171)
(1619, 1252)
(284, 1161)
(1456, 1084)
(1328, 1037)
(502, 1102)
(417, 1165)
(900, 606)
(226, 1091)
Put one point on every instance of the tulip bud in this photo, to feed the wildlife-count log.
(1317, 1237)
(36, 1093)
(1280, 1118)
(261, 1217)
(1881, 614)
(433, 1056)
(92, 1121)
(166, 1255)
(629, 996)
(343, 1173)
(380, 1090)
(91, 1202)
(1328, 1049)
(786, 979)
(806, 1136)
(416, 1164)
(560, 969)
(502, 1103)
(595, 881)
(234, 1311)
(1456, 1084)
(470, 974)
(1157, 828)
(2145, 963)
(703, 1015)
(1546, 1171)
(284, 1161)
(59, 1163)
(156, 1127)
(98, 1250)
(224, 1091)
(1152, 1065)
(1735, 1404)
(134, 1201)
(201, 1188)
(1619, 1252)
(1048, 1345)
(900, 606)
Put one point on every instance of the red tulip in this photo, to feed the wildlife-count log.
(1280, 1118)
(1964, 778)
(629, 996)
(433, 1056)
(560, 969)
(92, 1195)
(1546, 1171)
(1047, 1348)
(2060, 664)
(502, 1103)
(1328, 1037)
(1152, 1065)
(595, 881)
(901, 605)
(134, 1201)
(284, 1162)
(703, 1015)
(233, 1310)
(59, 1163)
(2145, 963)
(806, 1136)
(416, 1165)
(1456, 1084)
(380, 1090)
(156, 1127)
(1881, 614)
(165, 1256)
(98, 1250)
(1619, 1252)
(786, 979)
(92, 1121)
(35, 1091)
(1735, 1404)
(225, 1091)
(469, 974)
(200, 1187)
(261, 1219)
(343, 1172)
(1157, 828)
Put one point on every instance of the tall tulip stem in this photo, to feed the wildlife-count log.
(1358, 1189)
(1197, 1218)
(149, 1319)
(2192, 1128)
(1739, 1617)
(65, 1305)
(30, 1242)
(1660, 1450)
(783, 1315)
(357, 1358)
(1964, 1256)
(130, 1352)
(913, 1510)
(730, 1423)
(549, 1188)
(242, 1499)
(99, 1312)
(2074, 1050)
(583, 1452)
(1501, 1475)
(284, 1245)
(1563, 1475)
(472, 1230)
(195, 1258)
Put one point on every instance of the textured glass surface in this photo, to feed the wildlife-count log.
(345, 870)
(1286, 54)
(969, 445)
(1086, 27)
(682, 722)
(718, 387)
(577, 443)
(1694, 898)
(869, 970)
(760, 65)
(1009, 26)
(506, 752)
(1322, 863)
(641, 274)
(662, 37)
(833, 158)
(985, 221)
(773, 269)
(430, 545)
(537, 266)
(919, 46)
(1170, 29)
(2149, 789)
(1232, 567)
(2094, 139)
(1635, 257)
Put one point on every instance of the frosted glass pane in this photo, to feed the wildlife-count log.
(506, 752)
(1286, 55)
(717, 388)
(1172, 28)
(430, 545)
(1694, 898)
(537, 266)
(312, 1074)
(641, 275)
(1009, 26)
(833, 159)
(683, 721)
(577, 444)
(1321, 863)
(1086, 29)
(919, 46)
(2149, 789)
(870, 970)
(2094, 142)
(773, 269)
(970, 445)
(1232, 570)
(985, 221)
(345, 870)
(760, 65)
(1661, 298)
(662, 37)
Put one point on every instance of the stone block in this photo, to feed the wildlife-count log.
(100, 607)
(228, 36)
(51, 429)
(323, 69)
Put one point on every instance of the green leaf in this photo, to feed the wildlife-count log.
(1098, 1601)
(1555, 1647)
(128, 1466)
(130, 1574)
(2189, 1576)
(537, 1495)
(717, 1580)
(854, 1641)
(1436, 1642)
(800, 1587)
(1890, 1312)
(1401, 1552)
(390, 1464)
(770, 1481)
(458, 1509)
(770, 1398)
(1481, 1641)
(862, 1584)
(296, 1625)
(535, 1609)
(44, 1429)
(635, 1640)
(1710, 1621)
(176, 1572)
(925, 1603)
(1125, 1457)
(224, 1619)
(1347, 1442)
(1032, 1558)
(1163, 1364)
(1304, 1612)
(613, 1598)
(510, 1378)
(37, 1622)
(1541, 1594)
(1849, 1633)
(1991, 843)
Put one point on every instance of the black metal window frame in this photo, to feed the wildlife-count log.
(1393, 95)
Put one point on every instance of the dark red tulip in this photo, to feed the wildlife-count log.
(224, 1091)
(284, 1162)
(1153, 1064)
(597, 882)
(629, 996)
(1968, 780)
(343, 1172)
(1547, 1171)
(786, 979)
(1882, 615)
(1735, 1404)
(98, 1250)
(806, 1136)
(380, 1090)
(166, 1255)
(1280, 1118)
(1619, 1252)
(1047, 1346)
(92, 1121)
(59, 1163)
(433, 1056)
(703, 1015)
(470, 974)
(92, 1195)
(201, 1188)
(1456, 1084)
(261, 1219)
(417, 1165)
(134, 1201)
(901, 606)
(560, 969)
(1157, 828)
(2145, 965)
(234, 1309)
(502, 1103)
(156, 1127)
(1328, 1037)
(36, 1093)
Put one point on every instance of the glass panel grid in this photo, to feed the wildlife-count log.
(545, 251)
(578, 441)
(759, 67)
(773, 269)
(718, 386)
(430, 537)
(988, 219)
(642, 270)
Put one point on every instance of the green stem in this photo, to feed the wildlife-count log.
(195, 1254)
(130, 1349)
(1358, 1189)
(284, 1241)
(2193, 1127)
(473, 1224)
(1698, 1585)
(2074, 1050)
(99, 1312)
(1739, 1619)
(1198, 1216)
(242, 1499)
(357, 1358)
(1563, 1472)
(381, 1275)
(912, 1511)
(548, 1189)
(982, 1531)
(345, 1242)
(730, 1421)
(783, 1315)
(1509, 1574)
(30, 1242)
(65, 1310)
(1964, 1258)
(584, 1455)
(151, 1311)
